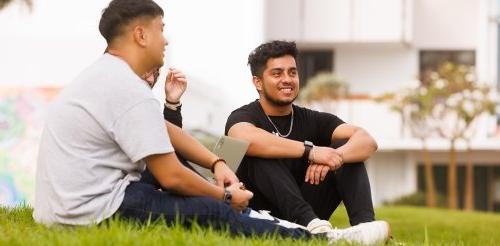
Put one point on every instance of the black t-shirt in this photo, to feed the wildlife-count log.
(308, 124)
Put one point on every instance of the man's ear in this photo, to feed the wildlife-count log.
(257, 82)
(140, 35)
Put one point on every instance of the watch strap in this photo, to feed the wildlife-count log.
(308, 145)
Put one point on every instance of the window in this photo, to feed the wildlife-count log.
(311, 62)
(432, 59)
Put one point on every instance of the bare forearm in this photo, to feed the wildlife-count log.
(191, 184)
(266, 145)
(359, 147)
(172, 175)
(189, 147)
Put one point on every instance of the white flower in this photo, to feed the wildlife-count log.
(440, 84)
(434, 75)
(454, 99)
(493, 96)
(449, 122)
(422, 91)
(468, 106)
(467, 93)
(477, 95)
(470, 77)
(438, 109)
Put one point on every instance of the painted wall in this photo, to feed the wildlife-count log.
(446, 24)
(376, 68)
(392, 175)
(340, 21)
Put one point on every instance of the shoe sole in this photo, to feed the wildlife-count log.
(388, 237)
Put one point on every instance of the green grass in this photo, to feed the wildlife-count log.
(410, 226)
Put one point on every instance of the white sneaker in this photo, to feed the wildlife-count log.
(367, 233)
(266, 215)
(317, 226)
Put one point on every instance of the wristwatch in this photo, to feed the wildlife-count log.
(227, 196)
(308, 145)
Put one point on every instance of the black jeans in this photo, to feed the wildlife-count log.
(278, 186)
(143, 201)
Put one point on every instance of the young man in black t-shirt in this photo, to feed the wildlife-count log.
(301, 163)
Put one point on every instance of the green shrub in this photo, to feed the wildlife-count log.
(416, 199)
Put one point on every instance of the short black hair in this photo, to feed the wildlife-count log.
(273, 49)
(119, 13)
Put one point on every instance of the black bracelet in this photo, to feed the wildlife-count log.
(212, 167)
(169, 102)
(308, 146)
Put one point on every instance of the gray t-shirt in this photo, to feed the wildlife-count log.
(97, 133)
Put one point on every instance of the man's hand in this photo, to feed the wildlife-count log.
(326, 156)
(224, 176)
(175, 85)
(316, 173)
(323, 159)
(241, 196)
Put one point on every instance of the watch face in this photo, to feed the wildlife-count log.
(227, 196)
(308, 143)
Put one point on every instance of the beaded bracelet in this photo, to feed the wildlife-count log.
(212, 167)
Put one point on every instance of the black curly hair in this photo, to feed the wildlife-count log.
(119, 13)
(273, 49)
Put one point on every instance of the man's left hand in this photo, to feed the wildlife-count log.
(175, 85)
(316, 173)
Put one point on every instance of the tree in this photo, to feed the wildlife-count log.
(448, 101)
(324, 89)
(459, 101)
(472, 103)
(5, 3)
(415, 107)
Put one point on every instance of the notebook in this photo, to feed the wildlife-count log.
(232, 150)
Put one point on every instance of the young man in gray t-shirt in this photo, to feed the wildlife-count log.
(106, 127)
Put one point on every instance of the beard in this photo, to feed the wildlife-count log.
(277, 102)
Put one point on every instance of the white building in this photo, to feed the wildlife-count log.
(381, 46)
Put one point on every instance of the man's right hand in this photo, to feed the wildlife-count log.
(322, 160)
(326, 156)
(240, 196)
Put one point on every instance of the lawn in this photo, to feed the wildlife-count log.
(409, 227)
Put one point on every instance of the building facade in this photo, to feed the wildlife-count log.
(382, 46)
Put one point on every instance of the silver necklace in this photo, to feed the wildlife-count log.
(278, 133)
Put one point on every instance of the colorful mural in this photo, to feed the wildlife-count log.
(22, 112)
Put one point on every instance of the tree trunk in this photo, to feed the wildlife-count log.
(430, 188)
(469, 182)
(452, 177)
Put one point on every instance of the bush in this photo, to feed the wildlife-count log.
(416, 199)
